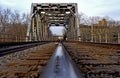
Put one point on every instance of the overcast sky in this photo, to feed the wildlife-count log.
(89, 7)
(102, 8)
(59, 29)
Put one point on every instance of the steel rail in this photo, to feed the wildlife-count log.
(61, 65)
(18, 48)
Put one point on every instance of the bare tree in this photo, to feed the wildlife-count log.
(83, 18)
(4, 16)
(13, 25)
(15, 17)
(25, 18)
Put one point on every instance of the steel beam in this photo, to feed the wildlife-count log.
(45, 14)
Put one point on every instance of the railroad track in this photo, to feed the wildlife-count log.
(61, 65)
(45, 61)
(6, 48)
(67, 60)
(95, 60)
(26, 63)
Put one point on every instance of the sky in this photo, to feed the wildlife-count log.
(60, 30)
(102, 8)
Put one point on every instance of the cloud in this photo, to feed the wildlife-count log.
(100, 7)
(54, 1)
(115, 14)
(89, 7)
(57, 30)
(20, 5)
(7, 3)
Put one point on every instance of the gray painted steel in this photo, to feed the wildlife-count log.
(44, 15)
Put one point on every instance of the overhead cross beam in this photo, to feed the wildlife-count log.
(46, 14)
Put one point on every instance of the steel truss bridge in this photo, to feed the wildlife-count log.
(45, 15)
(42, 57)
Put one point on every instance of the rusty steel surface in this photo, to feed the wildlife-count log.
(11, 49)
(61, 65)
(27, 63)
(95, 60)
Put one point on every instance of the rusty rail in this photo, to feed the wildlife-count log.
(61, 66)
(94, 59)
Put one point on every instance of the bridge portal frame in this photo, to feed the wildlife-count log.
(43, 15)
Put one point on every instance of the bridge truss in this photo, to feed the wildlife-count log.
(45, 15)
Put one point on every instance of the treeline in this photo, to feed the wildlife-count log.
(13, 25)
(99, 29)
(90, 20)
